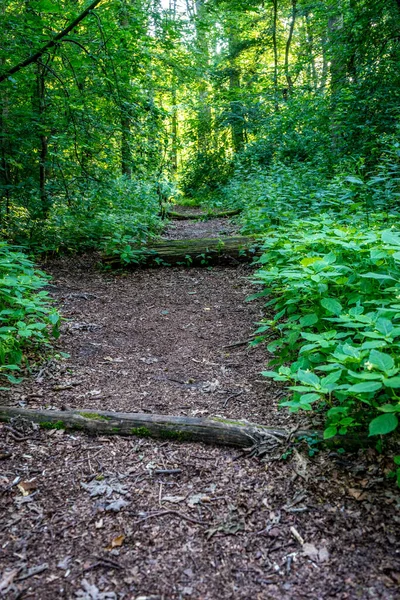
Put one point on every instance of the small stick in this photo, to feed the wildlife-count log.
(167, 471)
(161, 513)
(236, 344)
(235, 395)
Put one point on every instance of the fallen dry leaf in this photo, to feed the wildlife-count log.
(27, 487)
(116, 542)
(357, 494)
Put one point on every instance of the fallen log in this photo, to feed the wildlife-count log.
(213, 430)
(201, 251)
(186, 216)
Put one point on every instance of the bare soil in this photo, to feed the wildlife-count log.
(116, 518)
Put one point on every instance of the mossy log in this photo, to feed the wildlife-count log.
(216, 431)
(201, 251)
(185, 216)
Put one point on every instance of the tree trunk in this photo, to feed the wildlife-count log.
(202, 252)
(204, 110)
(287, 48)
(41, 107)
(217, 430)
(275, 50)
(237, 122)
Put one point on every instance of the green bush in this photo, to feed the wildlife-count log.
(336, 299)
(27, 318)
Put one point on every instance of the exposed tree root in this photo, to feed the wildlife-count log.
(219, 431)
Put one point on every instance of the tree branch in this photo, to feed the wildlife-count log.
(34, 57)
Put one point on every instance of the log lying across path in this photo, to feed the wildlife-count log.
(202, 251)
(185, 216)
(216, 430)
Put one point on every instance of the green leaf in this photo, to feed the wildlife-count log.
(383, 424)
(390, 408)
(381, 361)
(392, 382)
(308, 320)
(365, 387)
(330, 432)
(384, 326)
(308, 398)
(390, 237)
(331, 305)
(308, 377)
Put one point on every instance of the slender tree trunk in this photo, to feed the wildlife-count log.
(237, 122)
(275, 50)
(174, 111)
(204, 110)
(125, 120)
(174, 128)
(310, 46)
(287, 48)
(43, 147)
(126, 153)
(5, 167)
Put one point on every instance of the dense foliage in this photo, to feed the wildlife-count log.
(27, 318)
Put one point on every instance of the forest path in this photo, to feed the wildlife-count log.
(121, 518)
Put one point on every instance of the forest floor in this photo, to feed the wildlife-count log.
(112, 518)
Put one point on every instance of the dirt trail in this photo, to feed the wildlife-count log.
(139, 518)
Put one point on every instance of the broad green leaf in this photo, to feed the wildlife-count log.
(390, 237)
(308, 377)
(331, 305)
(392, 382)
(331, 378)
(381, 361)
(308, 320)
(383, 424)
(365, 387)
(309, 398)
(378, 276)
(390, 408)
(384, 326)
(330, 432)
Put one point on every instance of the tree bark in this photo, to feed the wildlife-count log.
(43, 148)
(202, 252)
(275, 50)
(287, 48)
(216, 431)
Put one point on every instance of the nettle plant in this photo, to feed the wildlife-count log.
(336, 327)
(27, 318)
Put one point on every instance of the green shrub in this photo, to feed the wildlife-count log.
(336, 299)
(27, 318)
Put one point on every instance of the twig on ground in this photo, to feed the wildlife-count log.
(236, 344)
(161, 513)
(235, 395)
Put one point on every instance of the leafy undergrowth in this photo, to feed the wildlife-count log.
(28, 320)
(330, 270)
(111, 218)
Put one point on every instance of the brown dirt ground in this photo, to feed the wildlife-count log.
(128, 518)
